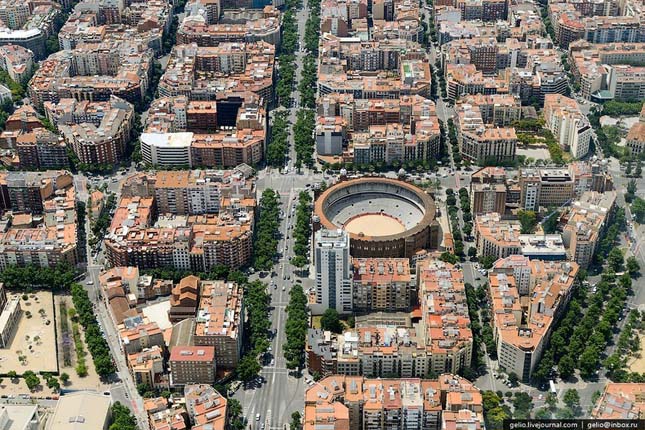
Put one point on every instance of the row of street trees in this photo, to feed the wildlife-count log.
(303, 137)
(256, 301)
(278, 147)
(94, 339)
(296, 327)
(267, 230)
(309, 73)
(56, 278)
(582, 335)
(302, 230)
(286, 60)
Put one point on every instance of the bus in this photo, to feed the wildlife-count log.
(552, 387)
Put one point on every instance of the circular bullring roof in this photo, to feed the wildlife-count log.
(377, 209)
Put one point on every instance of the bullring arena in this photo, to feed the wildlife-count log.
(384, 217)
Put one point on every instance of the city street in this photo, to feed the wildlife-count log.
(269, 405)
(125, 391)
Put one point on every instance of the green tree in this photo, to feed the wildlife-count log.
(615, 259)
(571, 398)
(53, 384)
(449, 258)
(234, 410)
(513, 378)
(248, 368)
(551, 401)
(638, 210)
(528, 221)
(487, 261)
(295, 421)
(472, 251)
(495, 417)
(522, 405)
(543, 414)
(122, 418)
(12, 374)
(632, 266)
(550, 224)
(31, 379)
(566, 367)
(490, 400)
(589, 362)
(331, 321)
(631, 191)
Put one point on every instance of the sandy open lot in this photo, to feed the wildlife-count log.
(535, 152)
(34, 338)
(374, 225)
(638, 364)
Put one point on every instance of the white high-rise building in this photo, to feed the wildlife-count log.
(568, 125)
(333, 272)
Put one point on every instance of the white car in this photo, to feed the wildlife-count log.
(257, 417)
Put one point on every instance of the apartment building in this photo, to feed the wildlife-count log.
(545, 247)
(225, 132)
(186, 193)
(138, 333)
(239, 67)
(333, 272)
(383, 284)
(27, 192)
(197, 242)
(147, 367)
(22, 120)
(481, 143)
(373, 351)
(500, 110)
(568, 125)
(41, 149)
(487, 198)
(570, 25)
(192, 365)
(622, 401)
(10, 313)
(47, 237)
(546, 187)
(206, 407)
(97, 132)
(342, 402)
(17, 61)
(28, 25)
(600, 69)
(518, 267)
(202, 27)
(94, 72)
(522, 327)
(220, 321)
(444, 316)
(496, 238)
(161, 416)
(586, 220)
(627, 82)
